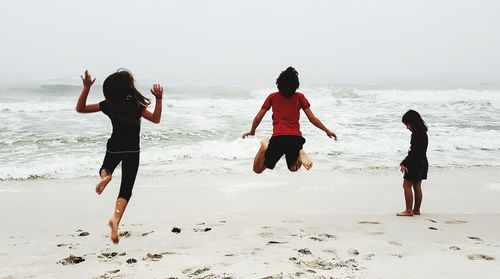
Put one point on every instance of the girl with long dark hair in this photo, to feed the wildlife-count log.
(125, 106)
(415, 165)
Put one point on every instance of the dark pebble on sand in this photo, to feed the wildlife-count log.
(475, 238)
(433, 228)
(84, 234)
(125, 234)
(131, 261)
(275, 242)
(207, 229)
(176, 230)
(71, 260)
(146, 233)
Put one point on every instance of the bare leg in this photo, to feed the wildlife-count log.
(418, 197)
(114, 222)
(105, 179)
(408, 198)
(258, 162)
(305, 160)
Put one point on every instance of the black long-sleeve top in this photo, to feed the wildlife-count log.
(418, 148)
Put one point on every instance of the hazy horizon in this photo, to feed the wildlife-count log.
(238, 43)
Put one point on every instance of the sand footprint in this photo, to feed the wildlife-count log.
(369, 222)
(395, 243)
(109, 256)
(152, 257)
(190, 273)
(304, 251)
(480, 257)
(109, 274)
(71, 260)
(266, 234)
(455, 222)
(369, 257)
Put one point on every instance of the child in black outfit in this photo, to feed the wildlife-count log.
(125, 106)
(415, 165)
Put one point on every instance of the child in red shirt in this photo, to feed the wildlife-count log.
(286, 139)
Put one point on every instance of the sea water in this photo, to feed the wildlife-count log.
(42, 136)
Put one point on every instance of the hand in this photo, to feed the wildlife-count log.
(248, 134)
(403, 169)
(87, 79)
(157, 90)
(331, 134)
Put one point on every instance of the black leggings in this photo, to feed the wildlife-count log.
(130, 165)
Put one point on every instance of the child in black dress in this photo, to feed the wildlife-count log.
(415, 165)
(125, 106)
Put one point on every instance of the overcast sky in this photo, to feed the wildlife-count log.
(232, 42)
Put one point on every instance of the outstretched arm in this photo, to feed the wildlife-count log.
(81, 105)
(155, 117)
(316, 122)
(255, 123)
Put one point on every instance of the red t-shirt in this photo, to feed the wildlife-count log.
(286, 112)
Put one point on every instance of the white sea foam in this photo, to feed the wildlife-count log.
(42, 135)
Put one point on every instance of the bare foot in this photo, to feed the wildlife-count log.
(296, 166)
(405, 213)
(416, 212)
(306, 162)
(113, 224)
(102, 184)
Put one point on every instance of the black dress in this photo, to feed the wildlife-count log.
(416, 161)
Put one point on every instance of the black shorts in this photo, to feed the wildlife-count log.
(287, 145)
(417, 170)
(130, 165)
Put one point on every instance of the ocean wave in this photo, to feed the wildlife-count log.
(59, 88)
(43, 137)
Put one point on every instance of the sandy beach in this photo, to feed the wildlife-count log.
(277, 225)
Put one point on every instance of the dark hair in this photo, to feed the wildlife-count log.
(125, 102)
(415, 120)
(288, 82)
